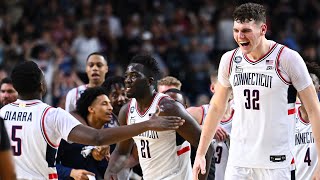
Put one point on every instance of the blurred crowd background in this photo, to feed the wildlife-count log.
(186, 37)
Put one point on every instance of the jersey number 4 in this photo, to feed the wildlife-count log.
(307, 157)
(252, 99)
(145, 150)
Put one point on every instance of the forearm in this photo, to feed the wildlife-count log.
(117, 162)
(86, 135)
(209, 128)
(315, 123)
(7, 171)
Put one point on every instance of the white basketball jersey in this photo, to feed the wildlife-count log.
(263, 122)
(221, 147)
(160, 156)
(305, 154)
(72, 97)
(35, 130)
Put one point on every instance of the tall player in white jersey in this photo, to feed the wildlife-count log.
(159, 152)
(264, 77)
(96, 69)
(305, 153)
(36, 128)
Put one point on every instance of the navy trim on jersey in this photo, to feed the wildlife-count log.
(231, 60)
(263, 57)
(291, 94)
(142, 114)
(51, 156)
(179, 139)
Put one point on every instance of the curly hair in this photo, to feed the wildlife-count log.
(313, 67)
(86, 100)
(249, 12)
(26, 77)
(112, 80)
(148, 61)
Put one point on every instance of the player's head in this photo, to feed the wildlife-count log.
(168, 82)
(314, 70)
(177, 95)
(249, 26)
(94, 105)
(116, 92)
(140, 75)
(96, 68)
(213, 79)
(27, 79)
(7, 92)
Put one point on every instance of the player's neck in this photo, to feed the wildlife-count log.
(303, 113)
(97, 124)
(94, 84)
(145, 101)
(31, 96)
(260, 50)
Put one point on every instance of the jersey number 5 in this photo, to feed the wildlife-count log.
(145, 150)
(252, 99)
(16, 149)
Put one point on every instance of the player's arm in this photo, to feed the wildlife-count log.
(310, 100)
(122, 151)
(7, 171)
(218, 104)
(196, 113)
(87, 135)
(190, 130)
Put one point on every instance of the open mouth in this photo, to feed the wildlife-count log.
(244, 44)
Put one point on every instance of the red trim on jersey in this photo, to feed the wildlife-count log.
(183, 150)
(278, 64)
(53, 176)
(128, 111)
(202, 115)
(144, 112)
(44, 130)
(231, 60)
(262, 57)
(300, 117)
(27, 104)
(227, 120)
(291, 111)
(292, 161)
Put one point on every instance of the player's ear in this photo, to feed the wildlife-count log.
(263, 29)
(90, 109)
(151, 79)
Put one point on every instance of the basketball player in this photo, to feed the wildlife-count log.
(7, 171)
(7, 93)
(264, 77)
(160, 153)
(36, 128)
(168, 82)
(177, 95)
(305, 153)
(96, 70)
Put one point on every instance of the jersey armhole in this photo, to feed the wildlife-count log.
(278, 67)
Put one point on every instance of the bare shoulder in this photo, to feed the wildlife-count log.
(196, 112)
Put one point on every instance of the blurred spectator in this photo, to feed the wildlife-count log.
(7, 92)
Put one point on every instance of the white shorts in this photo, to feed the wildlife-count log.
(243, 173)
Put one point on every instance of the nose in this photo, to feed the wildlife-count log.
(110, 107)
(241, 35)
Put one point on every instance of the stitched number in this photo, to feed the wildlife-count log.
(307, 157)
(16, 149)
(252, 99)
(218, 154)
(145, 150)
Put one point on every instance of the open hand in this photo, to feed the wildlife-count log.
(80, 174)
(220, 134)
(162, 123)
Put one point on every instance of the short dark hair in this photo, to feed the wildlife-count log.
(6, 80)
(249, 12)
(112, 80)
(86, 99)
(98, 54)
(26, 77)
(313, 67)
(148, 61)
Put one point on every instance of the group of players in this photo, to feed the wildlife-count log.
(263, 76)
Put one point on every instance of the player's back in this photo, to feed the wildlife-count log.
(35, 135)
(305, 153)
(160, 156)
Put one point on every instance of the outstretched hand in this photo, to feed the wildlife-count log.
(162, 123)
